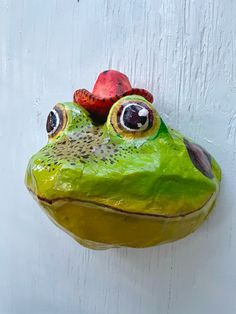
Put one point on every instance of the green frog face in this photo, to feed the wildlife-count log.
(131, 181)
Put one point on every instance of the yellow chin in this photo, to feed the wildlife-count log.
(98, 227)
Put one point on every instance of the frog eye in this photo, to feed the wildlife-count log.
(200, 158)
(134, 119)
(56, 121)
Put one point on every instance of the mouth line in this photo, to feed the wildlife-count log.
(209, 202)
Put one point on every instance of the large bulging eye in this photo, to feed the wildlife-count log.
(134, 119)
(200, 158)
(56, 121)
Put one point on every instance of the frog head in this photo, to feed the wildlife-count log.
(112, 172)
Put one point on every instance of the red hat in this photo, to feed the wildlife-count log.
(110, 86)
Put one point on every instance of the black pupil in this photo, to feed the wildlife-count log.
(51, 122)
(132, 119)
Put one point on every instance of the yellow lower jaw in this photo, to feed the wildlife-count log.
(100, 228)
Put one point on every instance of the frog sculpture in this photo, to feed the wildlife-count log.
(114, 174)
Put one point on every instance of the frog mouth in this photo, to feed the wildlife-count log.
(206, 206)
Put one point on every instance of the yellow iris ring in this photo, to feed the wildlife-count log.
(114, 119)
(62, 122)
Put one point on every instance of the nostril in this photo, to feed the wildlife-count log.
(200, 158)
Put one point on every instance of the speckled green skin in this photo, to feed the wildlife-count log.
(151, 177)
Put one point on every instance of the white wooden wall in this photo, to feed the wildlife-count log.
(184, 52)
